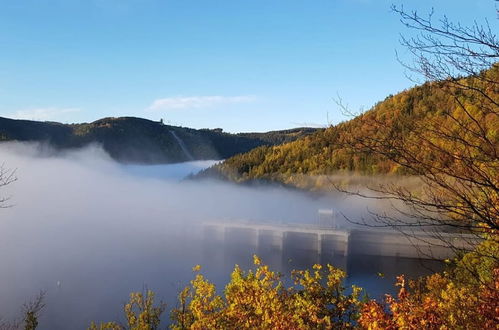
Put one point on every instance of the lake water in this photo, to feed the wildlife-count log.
(88, 231)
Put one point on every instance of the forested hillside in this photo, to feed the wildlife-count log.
(395, 119)
(130, 139)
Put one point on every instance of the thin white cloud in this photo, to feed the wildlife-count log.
(192, 102)
(44, 114)
(309, 124)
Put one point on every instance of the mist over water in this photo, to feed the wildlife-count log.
(173, 172)
(89, 231)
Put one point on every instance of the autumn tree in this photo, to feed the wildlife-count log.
(259, 300)
(448, 300)
(140, 311)
(454, 151)
(31, 311)
(7, 176)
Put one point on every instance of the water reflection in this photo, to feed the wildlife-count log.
(93, 284)
(376, 274)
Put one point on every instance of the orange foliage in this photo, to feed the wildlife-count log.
(436, 302)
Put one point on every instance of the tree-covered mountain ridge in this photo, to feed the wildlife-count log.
(390, 124)
(137, 140)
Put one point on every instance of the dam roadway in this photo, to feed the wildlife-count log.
(340, 242)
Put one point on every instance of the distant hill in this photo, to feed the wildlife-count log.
(137, 140)
(325, 152)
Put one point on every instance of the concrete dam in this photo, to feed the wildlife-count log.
(326, 238)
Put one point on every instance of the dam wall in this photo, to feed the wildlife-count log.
(340, 242)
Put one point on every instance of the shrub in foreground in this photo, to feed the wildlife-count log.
(465, 296)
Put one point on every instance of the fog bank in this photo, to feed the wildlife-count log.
(88, 230)
(83, 227)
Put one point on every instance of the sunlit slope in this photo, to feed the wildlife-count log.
(330, 151)
(137, 140)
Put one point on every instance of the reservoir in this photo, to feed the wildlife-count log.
(88, 231)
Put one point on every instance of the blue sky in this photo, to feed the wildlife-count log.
(239, 65)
